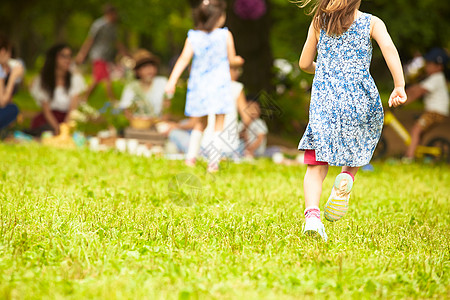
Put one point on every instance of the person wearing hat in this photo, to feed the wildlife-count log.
(434, 91)
(145, 94)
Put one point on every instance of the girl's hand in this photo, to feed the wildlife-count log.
(79, 59)
(237, 60)
(398, 97)
(170, 89)
(56, 130)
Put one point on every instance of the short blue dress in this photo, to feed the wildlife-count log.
(345, 113)
(209, 86)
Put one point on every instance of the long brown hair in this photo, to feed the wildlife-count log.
(333, 16)
(48, 76)
(208, 13)
(4, 42)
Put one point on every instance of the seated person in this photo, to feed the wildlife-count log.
(57, 90)
(144, 96)
(435, 94)
(254, 135)
(11, 73)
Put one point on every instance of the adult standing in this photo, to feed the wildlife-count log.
(102, 44)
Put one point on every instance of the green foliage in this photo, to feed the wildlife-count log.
(161, 26)
(164, 23)
(415, 25)
(77, 224)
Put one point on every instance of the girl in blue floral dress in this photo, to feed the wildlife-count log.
(345, 114)
(209, 88)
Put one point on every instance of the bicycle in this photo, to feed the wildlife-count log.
(437, 149)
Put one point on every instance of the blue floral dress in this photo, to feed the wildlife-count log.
(209, 86)
(345, 113)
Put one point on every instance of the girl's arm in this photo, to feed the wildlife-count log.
(232, 57)
(390, 54)
(309, 52)
(181, 64)
(50, 117)
(255, 144)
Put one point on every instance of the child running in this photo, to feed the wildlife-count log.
(209, 91)
(345, 114)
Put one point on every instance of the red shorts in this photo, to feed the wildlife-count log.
(310, 158)
(100, 70)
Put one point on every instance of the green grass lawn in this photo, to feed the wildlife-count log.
(79, 224)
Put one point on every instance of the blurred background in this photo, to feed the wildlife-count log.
(269, 41)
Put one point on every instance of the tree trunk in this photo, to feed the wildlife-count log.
(252, 40)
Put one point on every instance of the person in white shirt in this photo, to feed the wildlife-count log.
(434, 91)
(254, 135)
(145, 96)
(57, 90)
(11, 73)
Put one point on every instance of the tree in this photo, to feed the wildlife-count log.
(252, 39)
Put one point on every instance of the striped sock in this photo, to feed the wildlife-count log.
(346, 172)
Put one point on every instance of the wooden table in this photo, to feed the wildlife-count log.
(146, 136)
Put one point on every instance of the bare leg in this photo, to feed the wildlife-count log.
(220, 120)
(312, 184)
(89, 90)
(199, 124)
(109, 90)
(352, 170)
(216, 151)
(415, 140)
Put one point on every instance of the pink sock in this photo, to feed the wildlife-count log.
(312, 211)
(346, 172)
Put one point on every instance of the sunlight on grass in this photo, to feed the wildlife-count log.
(79, 224)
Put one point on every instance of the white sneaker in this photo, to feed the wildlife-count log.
(312, 226)
(213, 168)
(337, 204)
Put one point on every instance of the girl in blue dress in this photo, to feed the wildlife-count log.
(345, 114)
(211, 49)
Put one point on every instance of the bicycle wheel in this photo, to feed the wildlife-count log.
(444, 145)
(381, 149)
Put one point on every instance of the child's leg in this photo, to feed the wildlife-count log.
(337, 204)
(350, 170)
(195, 139)
(220, 120)
(109, 90)
(315, 174)
(89, 91)
(415, 140)
(312, 184)
(217, 149)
